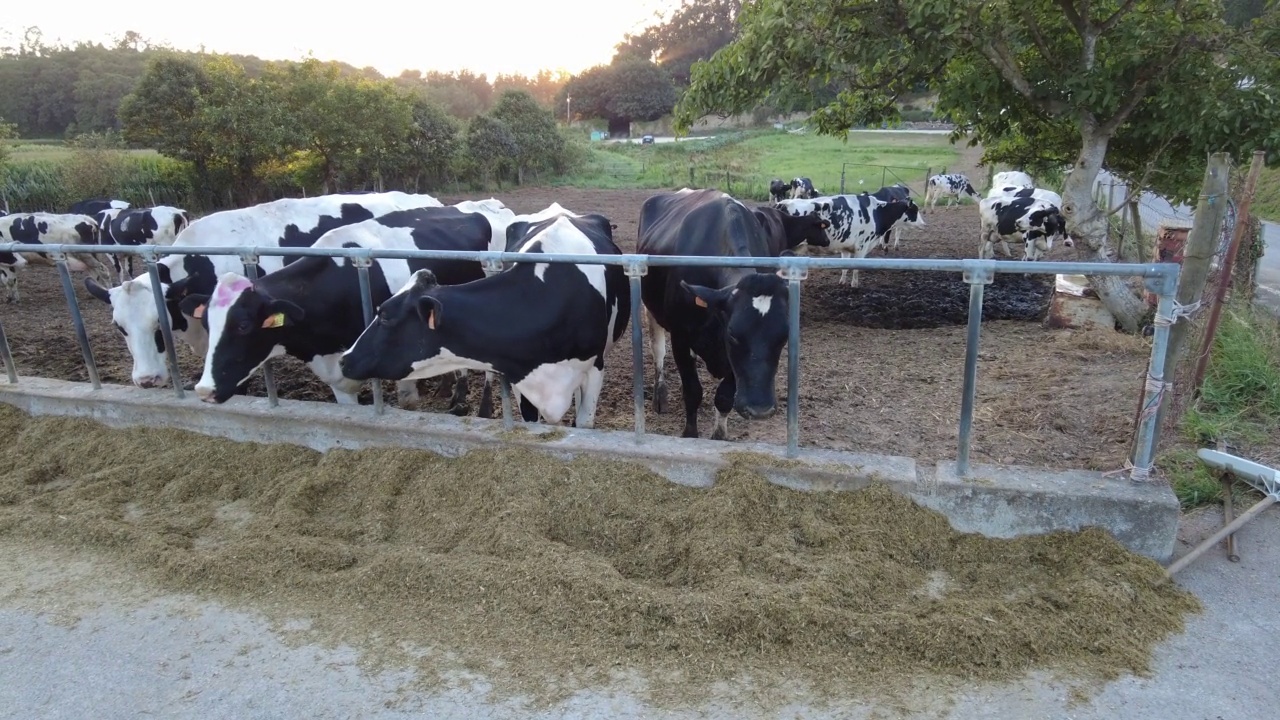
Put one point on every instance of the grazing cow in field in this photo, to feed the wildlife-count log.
(1033, 223)
(1011, 178)
(735, 319)
(784, 231)
(951, 185)
(48, 229)
(802, 188)
(778, 190)
(896, 193)
(546, 327)
(158, 225)
(280, 223)
(1011, 191)
(313, 310)
(859, 223)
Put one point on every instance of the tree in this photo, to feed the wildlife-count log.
(165, 112)
(694, 32)
(629, 89)
(538, 143)
(7, 132)
(427, 152)
(490, 144)
(1144, 87)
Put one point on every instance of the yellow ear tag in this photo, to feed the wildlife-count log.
(199, 312)
(274, 321)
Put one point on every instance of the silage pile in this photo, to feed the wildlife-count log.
(563, 572)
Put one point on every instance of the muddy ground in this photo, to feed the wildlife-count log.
(880, 364)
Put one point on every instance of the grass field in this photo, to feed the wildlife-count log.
(743, 163)
(25, 151)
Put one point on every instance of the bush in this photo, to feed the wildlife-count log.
(142, 180)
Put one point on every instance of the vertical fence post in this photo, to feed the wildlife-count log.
(166, 324)
(843, 166)
(362, 263)
(250, 262)
(9, 367)
(978, 278)
(1153, 393)
(504, 390)
(793, 275)
(884, 175)
(635, 271)
(691, 181)
(81, 336)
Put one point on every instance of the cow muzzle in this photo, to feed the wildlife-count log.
(206, 393)
(757, 413)
(151, 381)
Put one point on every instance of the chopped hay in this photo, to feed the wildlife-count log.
(547, 576)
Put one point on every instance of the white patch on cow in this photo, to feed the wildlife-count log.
(499, 216)
(225, 295)
(562, 238)
(551, 387)
(761, 303)
(444, 362)
(345, 390)
(133, 308)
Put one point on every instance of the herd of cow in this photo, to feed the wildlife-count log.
(547, 328)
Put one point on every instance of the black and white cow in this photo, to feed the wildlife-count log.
(1011, 178)
(48, 229)
(312, 309)
(779, 190)
(802, 188)
(97, 209)
(735, 319)
(546, 327)
(784, 231)
(1033, 223)
(859, 223)
(896, 193)
(159, 225)
(953, 185)
(1012, 191)
(281, 223)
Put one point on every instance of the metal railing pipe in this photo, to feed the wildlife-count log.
(366, 302)
(1154, 389)
(978, 281)
(634, 273)
(250, 261)
(7, 356)
(82, 336)
(166, 327)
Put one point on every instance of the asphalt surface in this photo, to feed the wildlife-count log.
(82, 637)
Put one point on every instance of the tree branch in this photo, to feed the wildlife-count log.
(1073, 17)
(998, 53)
(1037, 36)
(1116, 16)
(1149, 72)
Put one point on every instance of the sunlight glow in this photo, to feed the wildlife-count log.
(485, 37)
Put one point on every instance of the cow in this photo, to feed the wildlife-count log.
(779, 190)
(784, 231)
(1011, 178)
(281, 223)
(896, 193)
(859, 223)
(950, 185)
(802, 188)
(313, 310)
(735, 319)
(48, 229)
(498, 215)
(1048, 196)
(1034, 223)
(546, 327)
(159, 225)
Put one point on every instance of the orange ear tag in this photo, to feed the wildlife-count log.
(274, 321)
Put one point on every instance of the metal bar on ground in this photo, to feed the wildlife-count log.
(637, 351)
(268, 378)
(7, 356)
(1229, 515)
(1217, 537)
(366, 301)
(1153, 392)
(978, 280)
(81, 335)
(793, 361)
(166, 328)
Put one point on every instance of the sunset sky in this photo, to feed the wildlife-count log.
(488, 37)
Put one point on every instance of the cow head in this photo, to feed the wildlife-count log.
(246, 328)
(405, 332)
(9, 264)
(753, 316)
(136, 318)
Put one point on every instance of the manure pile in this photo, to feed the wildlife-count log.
(549, 574)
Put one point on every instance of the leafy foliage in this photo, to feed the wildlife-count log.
(694, 32)
(490, 144)
(538, 144)
(630, 88)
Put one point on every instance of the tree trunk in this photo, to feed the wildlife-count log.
(1087, 225)
(519, 174)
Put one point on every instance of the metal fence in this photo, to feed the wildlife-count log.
(1160, 279)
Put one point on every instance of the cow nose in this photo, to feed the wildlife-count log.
(151, 381)
(205, 393)
(757, 413)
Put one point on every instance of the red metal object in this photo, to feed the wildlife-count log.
(1170, 244)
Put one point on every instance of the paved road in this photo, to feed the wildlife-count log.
(83, 638)
(1268, 295)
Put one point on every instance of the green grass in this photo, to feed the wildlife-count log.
(27, 151)
(1239, 403)
(744, 163)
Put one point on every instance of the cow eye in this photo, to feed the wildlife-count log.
(244, 327)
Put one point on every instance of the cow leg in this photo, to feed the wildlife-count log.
(725, 393)
(407, 396)
(589, 395)
(658, 346)
(690, 387)
(486, 397)
(528, 412)
(345, 396)
(461, 388)
(844, 272)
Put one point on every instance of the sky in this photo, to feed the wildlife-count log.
(489, 36)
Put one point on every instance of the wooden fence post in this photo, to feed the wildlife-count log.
(691, 183)
(1136, 216)
(1197, 256)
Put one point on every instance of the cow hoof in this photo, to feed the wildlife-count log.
(660, 400)
(190, 386)
(410, 404)
(460, 409)
(719, 434)
(689, 432)
(485, 411)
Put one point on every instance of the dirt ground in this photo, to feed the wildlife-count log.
(881, 364)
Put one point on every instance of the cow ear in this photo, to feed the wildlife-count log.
(194, 305)
(431, 310)
(708, 297)
(282, 313)
(97, 290)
